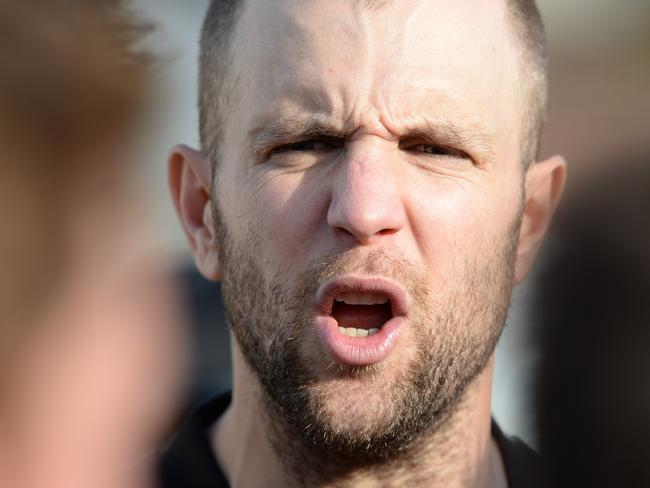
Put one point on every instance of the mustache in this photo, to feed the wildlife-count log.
(376, 262)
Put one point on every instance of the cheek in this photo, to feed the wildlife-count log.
(285, 213)
(459, 220)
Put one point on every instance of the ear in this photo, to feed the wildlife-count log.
(544, 184)
(189, 182)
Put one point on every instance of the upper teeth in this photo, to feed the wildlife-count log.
(354, 298)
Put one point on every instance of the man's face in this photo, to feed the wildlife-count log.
(370, 179)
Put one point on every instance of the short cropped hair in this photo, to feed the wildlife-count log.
(215, 59)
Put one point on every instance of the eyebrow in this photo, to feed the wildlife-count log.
(288, 129)
(472, 139)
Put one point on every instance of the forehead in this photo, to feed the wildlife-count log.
(401, 61)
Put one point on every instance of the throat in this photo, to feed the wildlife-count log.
(361, 316)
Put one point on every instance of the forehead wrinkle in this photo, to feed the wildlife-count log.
(304, 103)
(462, 130)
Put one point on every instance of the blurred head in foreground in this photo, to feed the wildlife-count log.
(89, 350)
(594, 325)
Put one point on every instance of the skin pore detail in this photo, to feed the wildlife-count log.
(368, 218)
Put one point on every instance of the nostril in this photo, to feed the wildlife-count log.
(346, 235)
(387, 232)
(362, 238)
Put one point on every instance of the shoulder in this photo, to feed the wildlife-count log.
(188, 460)
(522, 464)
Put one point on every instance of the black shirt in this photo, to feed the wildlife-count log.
(189, 461)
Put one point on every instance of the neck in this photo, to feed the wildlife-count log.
(459, 453)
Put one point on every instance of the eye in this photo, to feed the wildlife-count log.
(308, 145)
(436, 150)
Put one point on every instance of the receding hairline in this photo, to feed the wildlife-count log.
(216, 79)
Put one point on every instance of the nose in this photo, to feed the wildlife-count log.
(366, 199)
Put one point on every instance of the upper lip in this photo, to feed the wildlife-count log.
(396, 294)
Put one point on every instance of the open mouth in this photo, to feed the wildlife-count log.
(360, 318)
(361, 314)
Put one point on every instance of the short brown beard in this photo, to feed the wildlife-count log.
(455, 342)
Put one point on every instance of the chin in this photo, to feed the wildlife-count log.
(361, 398)
(355, 406)
(355, 425)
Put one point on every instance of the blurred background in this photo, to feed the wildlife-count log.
(599, 109)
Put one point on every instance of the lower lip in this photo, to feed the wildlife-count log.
(359, 351)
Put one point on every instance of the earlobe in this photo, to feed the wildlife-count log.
(544, 186)
(189, 182)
